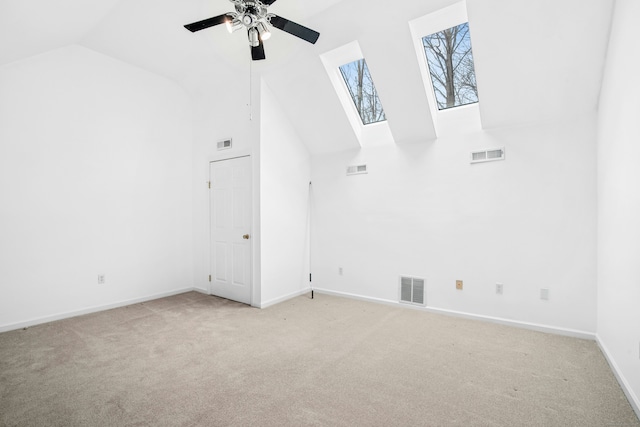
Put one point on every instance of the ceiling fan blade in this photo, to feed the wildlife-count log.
(201, 25)
(267, 2)
(257, 53)
(294, 29)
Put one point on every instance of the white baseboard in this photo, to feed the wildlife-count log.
(525, 325)
(626, 388)
(66, 315)
(283, 298)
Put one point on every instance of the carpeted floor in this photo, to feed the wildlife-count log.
(192, 360)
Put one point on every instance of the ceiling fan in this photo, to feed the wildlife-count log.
(253, 15)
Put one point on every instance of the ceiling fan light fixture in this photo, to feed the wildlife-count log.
(264, 32)
(254, 41)
(234, 25)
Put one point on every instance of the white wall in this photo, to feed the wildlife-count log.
(423, 210)
(619, 202)
(225, 107)
(95, 178)
(281, 175)
(285, 172)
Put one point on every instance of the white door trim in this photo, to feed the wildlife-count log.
(249, 231)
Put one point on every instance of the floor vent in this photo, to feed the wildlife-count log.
(487, 155)
(412, 290)
(224, 145)
(356, 169)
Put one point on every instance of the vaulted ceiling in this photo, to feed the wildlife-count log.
(536, 60)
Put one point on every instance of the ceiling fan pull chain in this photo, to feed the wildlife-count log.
(250, 90)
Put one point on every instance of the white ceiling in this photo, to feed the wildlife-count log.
(536, 60)
(30, 27)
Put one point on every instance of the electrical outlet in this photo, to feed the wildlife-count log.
(459, 285)
(544, 294)
(102, 279)
(499, 288)
(340, 271)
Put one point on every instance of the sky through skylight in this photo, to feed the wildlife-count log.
(363, 92)
(451, 66)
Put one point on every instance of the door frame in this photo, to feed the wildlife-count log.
(216, 159)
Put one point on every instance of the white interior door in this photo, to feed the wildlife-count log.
(231, 214)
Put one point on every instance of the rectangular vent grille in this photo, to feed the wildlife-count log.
(412, 290)
(356, 169)
(487, 155)
(224, 145)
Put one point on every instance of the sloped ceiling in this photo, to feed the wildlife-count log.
(384, 37)
(30, 27)
(536, 60)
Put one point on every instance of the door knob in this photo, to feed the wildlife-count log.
(245, 237)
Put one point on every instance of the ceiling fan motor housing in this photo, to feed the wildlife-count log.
(251, 12)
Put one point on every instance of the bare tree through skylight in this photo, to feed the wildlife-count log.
(451, 66)
(363, 92)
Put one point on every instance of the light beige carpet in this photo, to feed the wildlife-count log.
(192, 360)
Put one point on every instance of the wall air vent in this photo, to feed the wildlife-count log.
(224, 145)
(356, 169)
(487, 155)
(412, 290)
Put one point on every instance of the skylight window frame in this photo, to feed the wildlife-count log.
(373, 134)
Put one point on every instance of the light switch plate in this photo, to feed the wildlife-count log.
(459, 285)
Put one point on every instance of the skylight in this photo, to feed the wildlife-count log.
(461, 112)
(363, 92)
(341, 63)
(451, 67)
